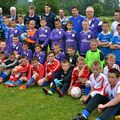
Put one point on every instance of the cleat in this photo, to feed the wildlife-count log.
(23, 87)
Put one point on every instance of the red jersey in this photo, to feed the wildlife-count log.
(39, 70)
(76, 78)
(51, 67)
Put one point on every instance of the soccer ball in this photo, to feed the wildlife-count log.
(75, 92)
(24, 36)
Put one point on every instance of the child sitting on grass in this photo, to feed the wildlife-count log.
(61, 80)
(36, 73)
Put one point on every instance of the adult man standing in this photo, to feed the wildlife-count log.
(76, 19)
(95, 23)
(116, 22)
(32, 16)
(49, 16)
(62, 18)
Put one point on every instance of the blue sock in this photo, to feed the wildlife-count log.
(85, 113)
(98, 119)
(87, 90)
(4, 75)
(18, 82)
(29, 83)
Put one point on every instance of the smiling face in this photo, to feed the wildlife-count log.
(65, 66)
(75, 12)
(93, 45)
(89, 12)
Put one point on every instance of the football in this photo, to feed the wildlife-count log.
(24, 36)
(75, 92)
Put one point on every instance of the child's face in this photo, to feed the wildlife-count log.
(51, 57)
(57, 24)
(37, 49)
(56, 49)
(65, 66)
(32, 25)
(2, 56)
(81, 62)
(96, 70)
(7, 22)
(27, 26)
(15, 40)
(110, 62)
(112, 79)
(13, 24)
(93, 46)
(105, 27)
(25, 47)
(43, 23)
(69, 26)
(3, 45)
(35, 63)
(85, 25)
(70, 51)
(20, 20)
(24, 61)
(12, 57)
(118, 29)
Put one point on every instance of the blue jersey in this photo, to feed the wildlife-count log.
(116, 40)
(77, 21)
(102, 37)
(21, 28)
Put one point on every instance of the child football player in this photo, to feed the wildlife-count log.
(61, 80)
(36, 73)
(51, 66)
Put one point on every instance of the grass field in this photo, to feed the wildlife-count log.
(33, 104)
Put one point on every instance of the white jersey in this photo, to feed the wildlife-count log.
(98, 84)
(113, 28)
(112, 92)
(106, 69)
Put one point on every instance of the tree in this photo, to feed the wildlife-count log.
(6, 4)
(99, 9)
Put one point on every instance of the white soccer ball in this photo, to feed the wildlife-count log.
(75, 92)
(24, 36)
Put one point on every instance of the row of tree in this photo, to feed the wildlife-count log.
(102, 7)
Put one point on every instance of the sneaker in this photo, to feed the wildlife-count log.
(23, 87)
(60, 92)
(46, 91)
(79, 117)
(117, 117)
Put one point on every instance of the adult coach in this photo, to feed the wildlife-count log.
(49, 16)
(32, 16)
(76, 19)
(116, 22)
(94, 22)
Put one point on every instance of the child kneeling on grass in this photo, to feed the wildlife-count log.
(36, 73)
(96, 82)
(109, 105)
(61, 80)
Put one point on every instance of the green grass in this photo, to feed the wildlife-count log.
(33, 104)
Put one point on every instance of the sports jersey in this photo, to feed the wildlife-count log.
(77, 23)
(27, 53)
(42, 35)
(116, 40)
(105, 37)
(95, 26)
(57, 37)
(98, 83)
(51, 67)
(21, 28)
(11, 33)
(31, 33)
(84, 41)
(92, 56)
(40, 56)
(71, 39)
(112, 92)
(60, 56)
(107, 68)
(64, 22)
(15, 48)
(76, 78)
(39, 70)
